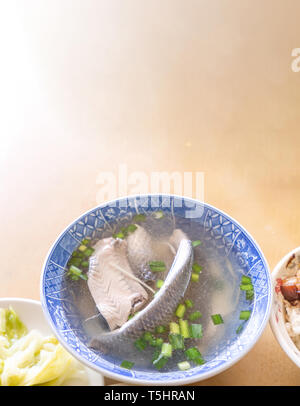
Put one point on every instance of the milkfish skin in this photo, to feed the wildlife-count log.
(160, 309)
(111, 282)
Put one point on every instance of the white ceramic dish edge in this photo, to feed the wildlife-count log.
(277, 321)
(31, 313)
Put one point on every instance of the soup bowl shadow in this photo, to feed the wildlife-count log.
(219, 234)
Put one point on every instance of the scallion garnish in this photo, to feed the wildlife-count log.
(158, 342)
(246, 280)
(189, 303)
(249, 294)
(166, 350)
(245, 314)
(196, 331)
(140, 344)
(177, 341)
(197, 268)
(138, 218)
(159, 283)
(120, 235)
(76, 273)
(158, 214)
(217, 319)
(184, 365)
(184, 328)
(82, 247)
(196, 243)
(174, 328)
(88, 252)
(160, 329)
(246, 287)
(195, 315)
(195, 277)
(180, 310)
(75, 261)
(160, 361)
(192, 353)
(239, 329)
(157, 266)
(127, 364)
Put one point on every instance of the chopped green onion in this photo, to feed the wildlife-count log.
(85, 264)
(246, 287)
(184, 328)
(158, 214)
(158, 342)
(160, 361)
(196, 330)
(192, 353)
(245, 314)
(239, 329)
(127, 364)
(77, 254)
(159, 283)
(196, 268)
(174, 328)
(184, 365)
(138, 218)
(82, 247)
(140, 344)
(132, 315)
(160, 329)
(189, 303)
(119, 235)
(246, 280)
(195, 277)
(86, 241)
(217, 319)
(199, 361)
(196, 243)
(148, 337)
(88, 252)
(180, 310)
(76, 273)
(249, 294)
(177, 341)
(157, 266)
(166, 350)
(156, 354)
(75, 261)
(195, 315)
(131, 228)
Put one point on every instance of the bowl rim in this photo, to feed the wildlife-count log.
(181, 381)
(285, 341)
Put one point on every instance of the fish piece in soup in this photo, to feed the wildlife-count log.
(160, 309)
(112, 284)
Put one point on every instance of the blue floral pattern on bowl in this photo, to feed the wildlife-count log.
(220, 233)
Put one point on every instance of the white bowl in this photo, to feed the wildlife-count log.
(32, 315)
(277, 320)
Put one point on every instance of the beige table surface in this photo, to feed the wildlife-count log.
(164, 85)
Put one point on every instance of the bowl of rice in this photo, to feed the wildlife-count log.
(285, 314)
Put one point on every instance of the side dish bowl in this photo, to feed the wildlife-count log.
(219, 234)
(277, 319)
(31, 314)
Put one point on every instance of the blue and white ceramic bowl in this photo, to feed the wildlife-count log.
(220, 235)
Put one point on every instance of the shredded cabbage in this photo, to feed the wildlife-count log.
(28, 358)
